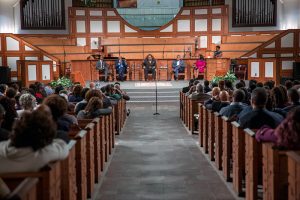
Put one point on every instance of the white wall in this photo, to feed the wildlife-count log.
(288, 17)
(10, 19)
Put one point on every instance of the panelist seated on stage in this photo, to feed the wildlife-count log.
(218, 53)
(121, 67)
(149, 66)
(102, 66)
(178, 66)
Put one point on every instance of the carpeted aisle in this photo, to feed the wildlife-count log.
(156, 159)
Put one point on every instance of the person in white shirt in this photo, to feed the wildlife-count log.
(32, 145)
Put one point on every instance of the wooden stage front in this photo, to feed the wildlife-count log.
(135, 72)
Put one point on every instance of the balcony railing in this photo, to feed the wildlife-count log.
(190, 3)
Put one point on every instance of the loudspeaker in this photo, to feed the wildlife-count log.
(5, 75)
(296, 70)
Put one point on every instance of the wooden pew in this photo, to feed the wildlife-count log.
(218, 140)
(205, 129)
(81, 163)
(193, 109)
(26, 190)
(227, 147)
(68, 169)
(181, 104)
(211, 135)
(200, 124)
(118, 117)
(49, 185)
(238, 157)
(88, 125)
(275, 172)
(294, 175)
(253, 164)
(112, 118)
(186, 110)
(98, 148)
(124, 109)
(106, 137)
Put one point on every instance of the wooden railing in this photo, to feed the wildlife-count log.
(254, 13)
(42, 14)
(188, 3)
(93, 4)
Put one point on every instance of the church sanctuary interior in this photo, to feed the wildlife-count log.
(149, 99)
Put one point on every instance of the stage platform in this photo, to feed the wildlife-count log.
(144, 92)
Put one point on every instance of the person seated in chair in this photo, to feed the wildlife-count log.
(149, 65)
(121, 67)
(201, 65)
(178, 67)
(102, 67)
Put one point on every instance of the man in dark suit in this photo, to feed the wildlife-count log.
(178, 67)
(121, 67)
(236, 106)
(102, 67)
(149, 65)
(259, 116)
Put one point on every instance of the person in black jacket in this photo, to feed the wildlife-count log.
(259, 115)
(149, 65)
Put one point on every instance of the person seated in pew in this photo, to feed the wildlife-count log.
(199, 94)
(93, 109)
(232, 111)
(75, 96)
(294, 100)
(4, 134)
(214, 97)
(113, 93)
(288, 84)
(286, 135)
(58, 107)
(125, 96)
(223, 101)
(186, 89)
(206, 88)
(193, 88)
(178, 67)
(10, 112)
(121, 67)
(3, 88)
(259, 116)
(32, 144)
(92, 85)
(279, 96)
(27, 102)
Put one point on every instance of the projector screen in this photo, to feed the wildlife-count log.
(127, 3)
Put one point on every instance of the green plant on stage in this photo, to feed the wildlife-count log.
(229, 76)
(64, 81)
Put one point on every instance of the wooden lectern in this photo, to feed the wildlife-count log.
(216, 67)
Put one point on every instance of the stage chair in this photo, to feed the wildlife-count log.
(240, 72)
(110, 76)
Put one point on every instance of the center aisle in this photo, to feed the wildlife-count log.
(156, 159)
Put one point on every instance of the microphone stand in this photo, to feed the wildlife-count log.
(156, 112)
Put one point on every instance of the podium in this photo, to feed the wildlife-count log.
(216, 67)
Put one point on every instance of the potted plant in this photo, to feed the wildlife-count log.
(63, 81)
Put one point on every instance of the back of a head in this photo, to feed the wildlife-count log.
(57, 104)
(239, 85)
(293, 95)
(259, 84)
(77, 90)
(279, 95)
(35, 129)
(2, 113)
(58, 89)
(3, 88)
(94, 103)
(11, 93)
(224, 96)
(191, 82)
(93, 93)
(228, 84)
(215, 91)
(196, 82)
(288, 84)
(92, 85)
(259, 97)
(27, 101)
(199, 88)
(206, 83)
(84, 91)
(270, 84)
(221, 85)
(238, 95)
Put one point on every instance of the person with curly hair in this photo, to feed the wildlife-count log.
(75, 96)
(27, 103)
(32, 145)
(93, 109)
(286, 135)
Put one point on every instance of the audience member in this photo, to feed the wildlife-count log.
(186, 89)
(93, 109)
(206, 86)
(236, 106)
(10, 112)
(27, 103)
(3, 133)
(214, 97)
(223, 101)
(294, 98)
(75, 96)
(286, 135)
(199, 94)
(32, 145)
(259, 116)
(3, 88)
